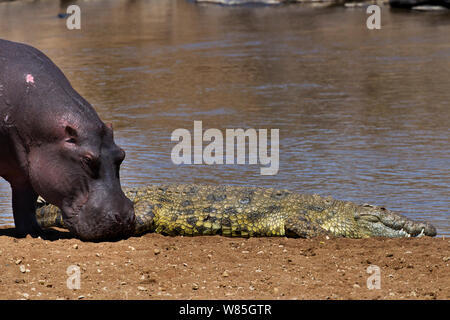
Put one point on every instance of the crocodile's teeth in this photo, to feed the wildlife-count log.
(404, 233)
(421, 234)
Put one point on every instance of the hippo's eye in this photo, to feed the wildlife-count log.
(71, 140)
(87, 160)
(92, 165)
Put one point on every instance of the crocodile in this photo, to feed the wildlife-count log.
(192, 210)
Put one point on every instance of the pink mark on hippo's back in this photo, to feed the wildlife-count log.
(29, 78)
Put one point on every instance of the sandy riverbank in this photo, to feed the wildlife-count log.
(159, 267)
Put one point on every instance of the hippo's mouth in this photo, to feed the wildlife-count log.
(88, 227)
(71, 210)
(79, 222)
(69, 215)
(71, 218)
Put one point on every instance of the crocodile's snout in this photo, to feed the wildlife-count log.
(379, 218)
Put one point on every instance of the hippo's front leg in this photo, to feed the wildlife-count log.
(24, 207)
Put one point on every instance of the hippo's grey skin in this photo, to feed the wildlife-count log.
(53, 144)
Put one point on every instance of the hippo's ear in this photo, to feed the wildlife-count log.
(110, 127)
(71, 134)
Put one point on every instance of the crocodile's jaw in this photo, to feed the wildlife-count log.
(379, 222)
(378, 229)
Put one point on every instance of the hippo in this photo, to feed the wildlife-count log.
(53, 144)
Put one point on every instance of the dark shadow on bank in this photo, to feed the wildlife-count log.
(47, 234)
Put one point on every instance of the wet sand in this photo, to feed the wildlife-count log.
(159, 267)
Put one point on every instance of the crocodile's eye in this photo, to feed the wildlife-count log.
(369, 217)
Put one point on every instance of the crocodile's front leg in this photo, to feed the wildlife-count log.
(298, 226)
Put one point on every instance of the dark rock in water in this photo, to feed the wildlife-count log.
(62, 15)
(243, 2)
(408, 4)
(429, 8)
(268, 2)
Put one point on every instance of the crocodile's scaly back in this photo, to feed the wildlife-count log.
(238, 211)
(248, 212)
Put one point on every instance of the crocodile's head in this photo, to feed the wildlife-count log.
(376, 221)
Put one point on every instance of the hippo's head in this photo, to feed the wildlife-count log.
(78, 171)
(61, 146)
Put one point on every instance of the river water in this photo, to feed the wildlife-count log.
(363, 114)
